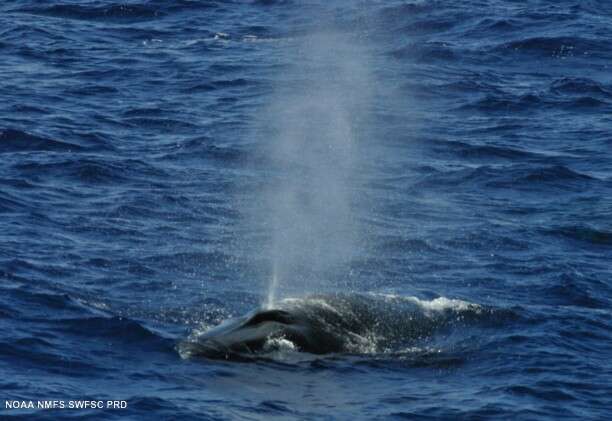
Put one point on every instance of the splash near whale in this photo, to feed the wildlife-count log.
(332, 324)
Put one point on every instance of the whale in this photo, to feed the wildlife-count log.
(252, 333)
(331, 324)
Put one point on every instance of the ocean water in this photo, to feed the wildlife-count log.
(136, 140)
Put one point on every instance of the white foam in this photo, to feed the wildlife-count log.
(221, 35)
(443, 303)
(437, 304)
(279, 344)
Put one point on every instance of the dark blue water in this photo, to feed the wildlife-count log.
(127, 149)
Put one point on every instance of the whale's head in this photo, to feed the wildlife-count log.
(243, 337)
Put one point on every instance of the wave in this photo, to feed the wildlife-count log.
(583, 233)
(505, 104)
(481, 152)
(395, 243)
(144, 112)
(395, 14)
(426, 52)
(65, 314)
(114, 329)
(579, 86)
(553, 174)
(34, 353)
(502, 105)
(429, 26)
(166, 124)
(518, 177)
(118, 12)
(180, 261)
(42, 304)
(111, 12)
(9, 204)
(221, 84)
(94, 170)
(17, 32)
(202, 147)
(575, 289)
(466, 86)
(28, 109)
(497, 25)
(12, 140)
(93, 89)
(562, 46)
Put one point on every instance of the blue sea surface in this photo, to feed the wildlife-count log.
(129, 148)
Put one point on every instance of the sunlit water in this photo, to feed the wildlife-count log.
(144, 197)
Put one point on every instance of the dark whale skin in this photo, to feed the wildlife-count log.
(340, 323)
(245, 336)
